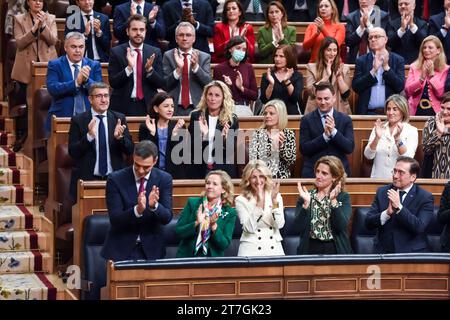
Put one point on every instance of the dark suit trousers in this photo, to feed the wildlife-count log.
(136, 108)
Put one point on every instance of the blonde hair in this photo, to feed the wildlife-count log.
(334, 14)
(227, 108)
(401, 103)
(246, 188)
(440, 62)
(227, 186)
(280, 108)
(336, 169)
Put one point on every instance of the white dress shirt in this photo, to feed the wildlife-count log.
(134, 54)
(94, 47)
(72, 69)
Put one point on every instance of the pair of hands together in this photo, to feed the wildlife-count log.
(152, 199)
(118, 130)
(306, 196)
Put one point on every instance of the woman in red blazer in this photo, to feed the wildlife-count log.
(232, 24)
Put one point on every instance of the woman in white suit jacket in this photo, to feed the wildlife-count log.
(260, 210)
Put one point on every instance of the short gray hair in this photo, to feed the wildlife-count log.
(97, 85)
(185, 24)
(146, 149)
(76, 35)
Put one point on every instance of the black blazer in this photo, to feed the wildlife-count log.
(313, 145)
(120, 22)
(198, 171)
(363, 81)
(352, 39)
(443, 217)
(123, 85)
(435, 24)
(121, 197)
(408, 45)
(203, 15)
(103, 43)
(176, 170)
(84, 152)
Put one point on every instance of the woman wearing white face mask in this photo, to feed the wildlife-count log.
(238, 75)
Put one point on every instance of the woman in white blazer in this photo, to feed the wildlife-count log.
(260, 210)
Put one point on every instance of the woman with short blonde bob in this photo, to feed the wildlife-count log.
(390, 139)
(260, 210)
(206, 223)
(322, 214)
(272, 142)
(425, 83)
(214, 114)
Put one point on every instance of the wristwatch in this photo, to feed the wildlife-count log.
(400, 144)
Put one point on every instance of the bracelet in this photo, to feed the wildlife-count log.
(275, 205)
(287, 83)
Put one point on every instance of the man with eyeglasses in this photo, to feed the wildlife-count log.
(197, 12)
(98, 139)
(406, 32)
(186, 70)
(401, 211)
(378, 75)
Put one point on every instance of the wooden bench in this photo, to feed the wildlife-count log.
(412, 276)
(91, 197)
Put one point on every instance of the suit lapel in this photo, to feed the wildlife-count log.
(132, 190)
(410, 196)
(28, 24)
(111, 126)
(318, 120)
(66, 68)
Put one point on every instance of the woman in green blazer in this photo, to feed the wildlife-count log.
(206, 224)
(324, 212)
(274, 33)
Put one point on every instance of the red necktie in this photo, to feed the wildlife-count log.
(185, 83)
(139, 91)
(426, 10)
(363, 45)
(141, 185)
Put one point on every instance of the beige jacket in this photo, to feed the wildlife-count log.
(27, 48)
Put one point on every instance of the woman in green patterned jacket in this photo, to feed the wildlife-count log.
(323, 213)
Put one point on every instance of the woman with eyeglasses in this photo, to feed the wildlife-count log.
(239, 75)
(232, 25)
(425, 83)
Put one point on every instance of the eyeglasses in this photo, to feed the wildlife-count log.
(42, 1)
(99, 96)
(375, 37)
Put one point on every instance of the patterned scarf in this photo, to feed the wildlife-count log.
(204, 231)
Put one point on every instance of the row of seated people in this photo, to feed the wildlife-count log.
(139, 200)
(390, 82)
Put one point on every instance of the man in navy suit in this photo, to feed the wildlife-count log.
(135, 71)
(434, 7)
(155, 21)
(378, 75)
(98, 148)
(139, 202)
(255, 10)
(198, 13)
(358, 24)
(401, 211)
(305, 10)
(69, 78)
(95, 27)
(325, 131)
(438, 26)
(407, 32)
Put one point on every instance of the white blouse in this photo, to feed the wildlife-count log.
(386, 153)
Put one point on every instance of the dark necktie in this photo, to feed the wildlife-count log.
(139, 90)
(185, 83)
(141, 185)
(138, 10)
(186, 4)
(90, 50)
(426, 10)
(300, 3)
(78, 101)
(401, 193)
(102, 150)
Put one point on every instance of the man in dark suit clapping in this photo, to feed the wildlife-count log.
(325, 131)
(98, 139)
(135, 71)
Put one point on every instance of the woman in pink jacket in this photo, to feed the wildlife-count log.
(426, 79)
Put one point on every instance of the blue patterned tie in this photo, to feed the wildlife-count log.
(138, 9)
(256, 5)
(102, 162)
(401, 193)
(78, 101)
